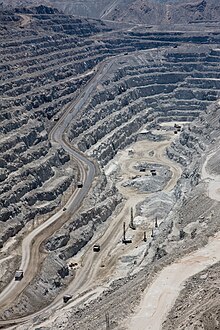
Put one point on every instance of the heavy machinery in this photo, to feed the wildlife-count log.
(19, 275)
(96, 248)
(66, 298)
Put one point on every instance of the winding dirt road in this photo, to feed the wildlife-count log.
(87, 277)
(31, 257)
(159, 292)
(31, 244)
(90, 278)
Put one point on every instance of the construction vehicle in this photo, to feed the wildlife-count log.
(96, 248)
(125, 240)
(66, 298)
(19, 275)
(79, 184)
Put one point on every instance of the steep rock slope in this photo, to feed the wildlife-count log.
(136, 11)
(157, 86)
(194, 218)
(46, 58)
(198, 303)
(34, 86)
(166, 12)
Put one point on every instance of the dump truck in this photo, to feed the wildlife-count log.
(79, 184)
(19, 275)
(96, 248)
(66, 298)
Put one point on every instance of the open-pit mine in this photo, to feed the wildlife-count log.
(109, 165)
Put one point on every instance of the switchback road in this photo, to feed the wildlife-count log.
(31, 243)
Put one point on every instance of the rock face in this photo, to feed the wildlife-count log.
(46, 59)
(200, 140)
(34, 86)
(151, 182)
(201, 293)
(83, 8)
(172, 86)
(164, 12)
(158, 205)
(64, 244)
(144, 11)
(29, 164)
(76, 233)
(188, 225)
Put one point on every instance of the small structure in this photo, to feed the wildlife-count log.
(96, 248)
(66, 298)
(142, 169)
(145, 236)
(19, 275)
(79, 184)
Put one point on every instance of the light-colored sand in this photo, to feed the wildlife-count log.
(162, 293)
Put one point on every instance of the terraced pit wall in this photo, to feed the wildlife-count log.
(152, 87)
(159, 76)
(48, 67)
